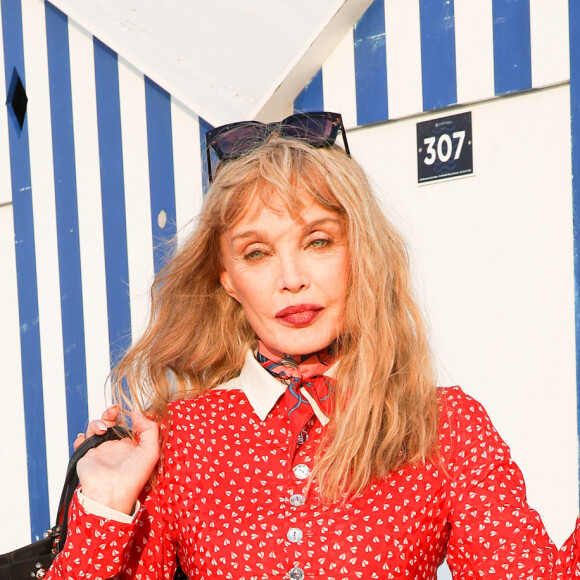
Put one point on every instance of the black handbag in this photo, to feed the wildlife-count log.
(33, 561)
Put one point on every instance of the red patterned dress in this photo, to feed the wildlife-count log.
(229, 504)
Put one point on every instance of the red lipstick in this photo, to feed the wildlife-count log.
(299, 315)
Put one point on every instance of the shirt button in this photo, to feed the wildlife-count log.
(301, 471)
(302, 437)
(297, 500)
(294, 535)
(296, 574)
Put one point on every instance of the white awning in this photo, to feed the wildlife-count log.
(226, 60)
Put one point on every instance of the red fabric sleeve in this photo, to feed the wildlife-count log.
(495, 534)
(568, 562)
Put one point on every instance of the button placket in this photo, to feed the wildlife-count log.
(294, 534)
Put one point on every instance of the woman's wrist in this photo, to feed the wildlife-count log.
(110, 498)
(98, 509)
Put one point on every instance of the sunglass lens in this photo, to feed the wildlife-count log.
(313, 130)
(238, 140)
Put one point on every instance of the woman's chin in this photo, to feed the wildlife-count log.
(300, 343)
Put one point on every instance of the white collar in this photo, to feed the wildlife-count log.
(260, 387)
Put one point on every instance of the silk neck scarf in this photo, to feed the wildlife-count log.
(306, 385)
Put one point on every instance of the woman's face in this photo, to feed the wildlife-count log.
(290, 277)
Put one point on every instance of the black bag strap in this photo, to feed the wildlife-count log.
(71, 480)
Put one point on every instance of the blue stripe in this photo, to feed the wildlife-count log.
(311, 98)
(574, 19)
(26, 279)
(438, 66)
(113, 199)
(204, 127)
(69, 255)
(161, 179)
(370, 65)
(512, 56)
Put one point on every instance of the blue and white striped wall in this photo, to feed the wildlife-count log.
(405, 58)
(108, 164)
(105, 170)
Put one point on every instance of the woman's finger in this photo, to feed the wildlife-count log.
(79, 441)
(96, 427)
(110, 415)
(108, 419)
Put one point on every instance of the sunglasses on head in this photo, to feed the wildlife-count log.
(231, 141)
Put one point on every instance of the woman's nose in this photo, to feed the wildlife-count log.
(293, 274)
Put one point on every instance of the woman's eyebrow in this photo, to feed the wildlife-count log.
(247, 234)
(323, 221)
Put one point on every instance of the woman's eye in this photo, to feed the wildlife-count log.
(254, 255)
(319, 243)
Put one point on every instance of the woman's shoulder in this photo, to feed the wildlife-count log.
(455, 401)
(465, 428)
(461, 409)
(455, 393)
(198, 421)
(215, 401)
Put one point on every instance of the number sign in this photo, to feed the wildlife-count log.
(444, 147)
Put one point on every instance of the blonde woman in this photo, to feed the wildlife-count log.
(286, 417)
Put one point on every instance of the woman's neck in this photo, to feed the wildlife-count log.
(293, 360)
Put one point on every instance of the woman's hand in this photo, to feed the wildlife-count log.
(114, 473)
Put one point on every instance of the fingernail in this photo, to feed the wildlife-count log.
(80, 435)
(101, 426)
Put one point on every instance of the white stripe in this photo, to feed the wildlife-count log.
(474, 50)
(45, 233)
(403, 36)
(89, 215)
(137, 192)
(14, 484)
(187, 167)
(550, 42)
(338, 78)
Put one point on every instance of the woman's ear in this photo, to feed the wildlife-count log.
(227, 285)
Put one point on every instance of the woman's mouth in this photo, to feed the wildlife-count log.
(299, 315)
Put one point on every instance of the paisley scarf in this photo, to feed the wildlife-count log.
(309, 392)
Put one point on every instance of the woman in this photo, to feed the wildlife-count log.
(286, 373)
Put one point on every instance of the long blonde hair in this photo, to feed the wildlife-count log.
(386, 411)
